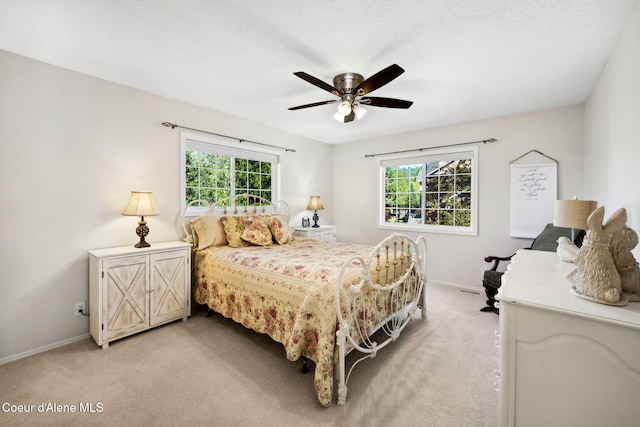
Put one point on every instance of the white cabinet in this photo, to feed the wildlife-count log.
(134, 289)
(322, 232)
(564, 361)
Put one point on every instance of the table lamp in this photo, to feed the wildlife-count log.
(573, 214)
(315, 204)
(141, 204)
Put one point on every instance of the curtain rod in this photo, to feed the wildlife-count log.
(429, 148)
(173, 126)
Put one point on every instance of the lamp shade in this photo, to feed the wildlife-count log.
(141, 203)
(573, 213)
(359, 111)
(315, 204)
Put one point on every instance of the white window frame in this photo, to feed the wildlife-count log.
(424, 156)
(219, 145)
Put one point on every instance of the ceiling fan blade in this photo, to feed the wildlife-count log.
(379, 79)
(349, 117)
(315, 104)
(317, 82)
(376, 101)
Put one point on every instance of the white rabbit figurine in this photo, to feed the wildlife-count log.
(596, 277)
(623, 241)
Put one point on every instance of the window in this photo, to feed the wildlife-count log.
(212, 169)
(434, 191)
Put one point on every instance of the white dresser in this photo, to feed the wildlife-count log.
(322, 232)
(564, 361)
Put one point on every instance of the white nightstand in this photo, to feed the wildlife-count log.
(135, 289)
(323, 232)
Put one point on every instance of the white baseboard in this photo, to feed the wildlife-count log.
(466, 288)
(42, 349)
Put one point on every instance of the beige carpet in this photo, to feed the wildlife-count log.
(211, 371)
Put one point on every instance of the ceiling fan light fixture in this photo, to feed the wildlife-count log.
(359, 111)
(344, 109)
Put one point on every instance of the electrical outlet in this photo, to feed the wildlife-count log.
(79, 308)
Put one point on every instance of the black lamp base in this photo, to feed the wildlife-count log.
(142, 231)
(142, 244)
(315, 220)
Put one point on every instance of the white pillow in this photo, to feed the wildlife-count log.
(208, 231)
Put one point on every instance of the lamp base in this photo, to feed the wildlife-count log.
(142, 231)
(315, 220)
(142, 244)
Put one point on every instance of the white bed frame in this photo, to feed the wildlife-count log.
(396, 261)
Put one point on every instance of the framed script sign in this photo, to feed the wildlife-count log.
(534, 189)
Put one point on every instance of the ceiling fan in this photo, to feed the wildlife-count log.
(350, 88)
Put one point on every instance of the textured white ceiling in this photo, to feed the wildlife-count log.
(464, 60)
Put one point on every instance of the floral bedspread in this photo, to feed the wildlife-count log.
(286, 291)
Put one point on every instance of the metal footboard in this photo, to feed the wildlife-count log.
(390, 290)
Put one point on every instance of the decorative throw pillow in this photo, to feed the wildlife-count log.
(208, 231)
(233, 227)
(257, 231)
(280, 230)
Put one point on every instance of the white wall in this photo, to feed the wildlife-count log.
(72, 147)
(612, 129)
(452, 259)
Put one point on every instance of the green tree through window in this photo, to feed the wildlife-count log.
(402, 193)
(207, 176)
(213, 171)
(448, 193)
(433, 191)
